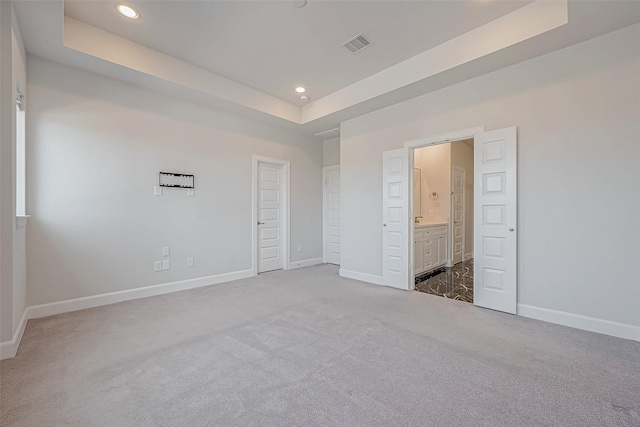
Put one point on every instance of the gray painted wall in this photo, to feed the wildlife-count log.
(577, 112)
(96, 146)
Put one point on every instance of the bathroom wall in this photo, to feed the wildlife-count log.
(434, 163)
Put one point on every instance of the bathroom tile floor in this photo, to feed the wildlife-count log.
(454, 282)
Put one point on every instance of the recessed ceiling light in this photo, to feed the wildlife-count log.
(127, 11)
(300, 89)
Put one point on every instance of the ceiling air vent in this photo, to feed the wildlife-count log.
(357, 43)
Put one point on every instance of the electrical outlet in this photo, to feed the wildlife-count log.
(165, 264)
(430, 213)
(165, 251)
(189, 262)
(299, 248)
(157, 266)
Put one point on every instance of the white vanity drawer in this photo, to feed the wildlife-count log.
(427, 263)
(439, 230)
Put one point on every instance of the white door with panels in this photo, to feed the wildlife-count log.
(395, 218)
(457, 203)
(332, 215)
(495, 220)
(270, 214)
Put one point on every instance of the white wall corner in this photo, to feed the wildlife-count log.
(363, 277)
(9, 349)
(592, 324)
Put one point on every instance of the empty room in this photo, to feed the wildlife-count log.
(319, 213)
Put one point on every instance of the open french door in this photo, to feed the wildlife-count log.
(395, 218)
(495, 220)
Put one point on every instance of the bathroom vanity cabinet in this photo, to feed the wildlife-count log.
(430, 250)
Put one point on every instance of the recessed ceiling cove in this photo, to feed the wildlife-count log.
(270, 45)
(246, 56)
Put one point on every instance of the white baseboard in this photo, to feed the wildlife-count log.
(363, 277)
(305, 263)
(607, 327)
(53, 308)
(8, 349)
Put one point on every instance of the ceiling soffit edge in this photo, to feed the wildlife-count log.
(98, 43)
(529, 21)
(524, 23)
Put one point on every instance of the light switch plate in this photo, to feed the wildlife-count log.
(190, 192)
(157, 190)
(157, 266)
(165, 264)
(165, 251)
(189, 262)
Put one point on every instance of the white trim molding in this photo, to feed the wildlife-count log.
(22, 220)
(592, 324)
(444, 137)
(53, 308)
(305, 263)
(363, 277)
(9, 349)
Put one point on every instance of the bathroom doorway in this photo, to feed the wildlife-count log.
(495, 216)
(443, 219)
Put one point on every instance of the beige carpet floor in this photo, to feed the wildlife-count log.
(308, 348)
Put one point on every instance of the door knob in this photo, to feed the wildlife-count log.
(259, 223)
(384, 225)
(511, 229)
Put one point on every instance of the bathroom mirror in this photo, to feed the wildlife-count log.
(417, 193)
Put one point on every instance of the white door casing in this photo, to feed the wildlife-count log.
(495, 220)
(458, 217)
(270, 214)
(331, 226)
(395, 218)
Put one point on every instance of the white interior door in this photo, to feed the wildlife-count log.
(395, 218)
(270, 214)
(457, 201)
(495, 237)
(332, 215)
